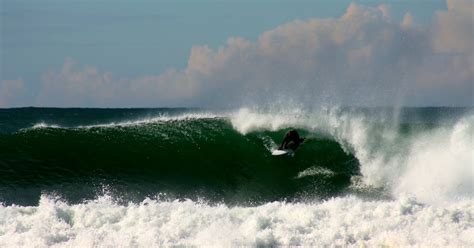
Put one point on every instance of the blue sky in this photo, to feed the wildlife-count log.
(179, 53)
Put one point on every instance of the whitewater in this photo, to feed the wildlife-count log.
(343, 221)
(412, 186)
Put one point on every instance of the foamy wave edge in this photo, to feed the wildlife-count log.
(345, 221)
(160, 118)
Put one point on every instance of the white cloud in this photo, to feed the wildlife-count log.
(447, 73)
(12, 93)
(74, 86)
(454, 29)
(361, 58)
(408, 20)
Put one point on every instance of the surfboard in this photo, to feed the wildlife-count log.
(279, 152)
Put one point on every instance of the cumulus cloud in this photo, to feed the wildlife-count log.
(361, 58)
(86, 86)
(12, 93)
(454, 30)
(447, 72)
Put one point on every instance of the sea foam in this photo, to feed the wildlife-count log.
(347, 222)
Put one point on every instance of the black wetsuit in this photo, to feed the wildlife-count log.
(291, 141)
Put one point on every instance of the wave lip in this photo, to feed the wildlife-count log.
(44, 125)
(144, 121)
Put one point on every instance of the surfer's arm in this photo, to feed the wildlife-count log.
(284, 142)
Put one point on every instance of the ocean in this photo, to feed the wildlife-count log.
(364, 177)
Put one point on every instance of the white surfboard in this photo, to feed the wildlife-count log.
(279, 152)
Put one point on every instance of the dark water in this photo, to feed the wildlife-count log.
(77, 154)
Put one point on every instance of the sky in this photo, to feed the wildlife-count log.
(105, 53)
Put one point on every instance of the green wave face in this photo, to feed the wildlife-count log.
(203, 158)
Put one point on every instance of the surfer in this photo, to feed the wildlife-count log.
(291, 141)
